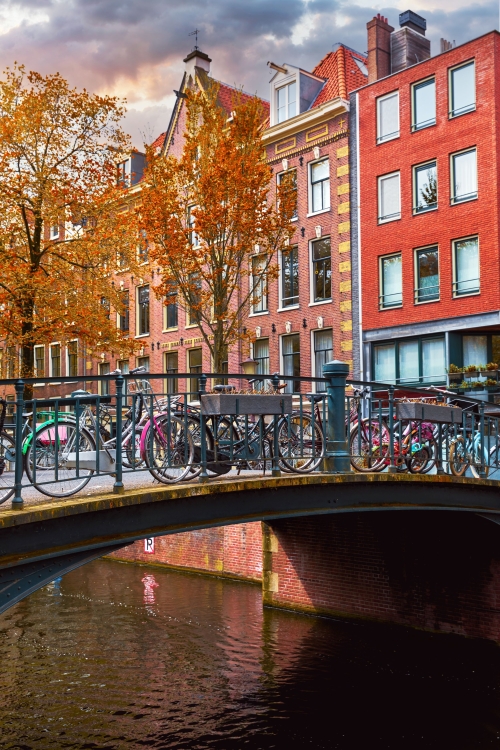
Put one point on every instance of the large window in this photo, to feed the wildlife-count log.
(194, 311)
(290, 277)
(322, 270)
(72, 359)
(410, 361)
(424, 104)
(291, 361)
(475, 350)
(391, 281)
(427, 274)
(261, 356)
(143, 362)
(466, 266)
(319, 175)
(55, 360)
(462, 89)
(388, 117)
(291, 182)
(286, 101)
(124, 314)
(104, 384)
(170, 308)
(195, 364)
(425, 187)
(171, 366)
(259, 284)
(464, 176)
(389, 197)
(323, 352)
(39, 361)
(143, 310)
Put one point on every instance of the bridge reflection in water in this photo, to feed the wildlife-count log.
(97, 662)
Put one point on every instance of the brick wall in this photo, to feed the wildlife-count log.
(231, 551)
(433, 571)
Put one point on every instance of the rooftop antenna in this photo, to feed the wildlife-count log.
(195, 34)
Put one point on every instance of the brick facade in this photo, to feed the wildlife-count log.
(227, 551)
(433, 571)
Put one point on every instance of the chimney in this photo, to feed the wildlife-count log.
(197, 59)
(409, 44)
(379, 48)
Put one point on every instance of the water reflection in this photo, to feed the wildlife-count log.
(117, 656)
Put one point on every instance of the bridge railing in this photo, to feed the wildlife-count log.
(121, 429)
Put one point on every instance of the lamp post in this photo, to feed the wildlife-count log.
(249, 366)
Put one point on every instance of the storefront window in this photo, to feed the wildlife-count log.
(475, 350)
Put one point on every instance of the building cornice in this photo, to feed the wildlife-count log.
(312, 117)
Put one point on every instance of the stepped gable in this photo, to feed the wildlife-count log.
(343, 74)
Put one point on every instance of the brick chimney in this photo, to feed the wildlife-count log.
(379, 48)
(409, 44)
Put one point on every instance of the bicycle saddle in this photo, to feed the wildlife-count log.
(314, 397)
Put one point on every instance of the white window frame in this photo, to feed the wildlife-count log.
(296, 305)
(37, 374)
(451, 114)
(309, 187)
(381, 296)
(326, 300)
(137, 307)
(254, 312)
(474, 292)
(54, 235)
(473, 197)
(279, 177)
(282, 360)
(285, 84)
(73, 341)
(55, 343)
(315, 374)
(396, 134)
(103, 391)
(391, 217)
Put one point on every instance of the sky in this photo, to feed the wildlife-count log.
(135, 48)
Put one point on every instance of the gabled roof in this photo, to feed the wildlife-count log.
(342, 70)
(159, 142)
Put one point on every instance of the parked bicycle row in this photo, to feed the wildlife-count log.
(250, 424)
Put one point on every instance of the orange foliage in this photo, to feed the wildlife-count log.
(210, 211)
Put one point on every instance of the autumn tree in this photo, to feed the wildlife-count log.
(63, 219)
(214, 224)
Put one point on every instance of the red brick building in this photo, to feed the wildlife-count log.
(424, 159)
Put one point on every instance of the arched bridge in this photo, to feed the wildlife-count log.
(40, 543)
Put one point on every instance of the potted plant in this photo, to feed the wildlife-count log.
(214, 404)
(454, 373)
(471, 371)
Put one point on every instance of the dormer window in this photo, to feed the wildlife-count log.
(286, 101)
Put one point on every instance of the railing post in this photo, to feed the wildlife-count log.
(275, 471)
(337, 451)
(17, 502)
(392, 468)
(118, 487)
(482, 466)
(203, 432)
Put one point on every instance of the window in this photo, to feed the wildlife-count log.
(322, 270)
(72, 359)
(389, 198)
(475, 350)
(194, 312)
(55, 360)
(143, 247)
(464, 176)
(195, 364)
(171, 366)
(424, 104)
(410, 361)
(286, 101)
(462, 89)
(426, 274)
(143, 362)
(323, 352)
(466, 266)
(54, 232)
(291, 179)
(319, 175)
(290, 277)
(261, 356)
(124, 315)
(39, 354)
(104, 384)
(391, 281)
(170, 308)
(143, 310)
(259, 284)
(424, 187)
(123, 365)
(11, 362)
(388, 117)
(291, 361)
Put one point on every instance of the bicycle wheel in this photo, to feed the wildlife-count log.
(419, 460)
(132, 458)
(169, 449)
(458, 459)
(369, 446)
(475, 466)
(52, 449)
(6, 467)
(301, 443)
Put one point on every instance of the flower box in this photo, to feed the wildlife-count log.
(428, 413)
(453, 376)
(245, 403)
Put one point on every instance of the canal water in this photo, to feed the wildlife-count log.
(121, 656)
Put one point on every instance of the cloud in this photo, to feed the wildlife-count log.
(135, 49)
